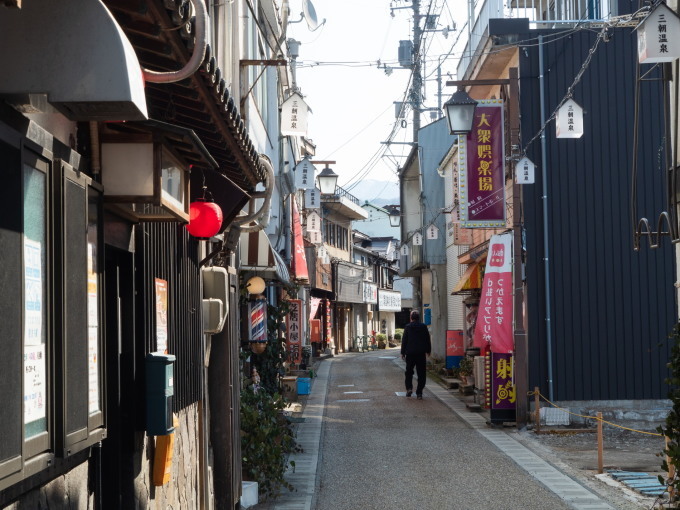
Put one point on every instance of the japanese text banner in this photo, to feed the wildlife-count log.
(294, 331)
(494, 319)
(481, 164)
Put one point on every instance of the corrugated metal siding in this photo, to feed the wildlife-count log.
(454, 304)
(165, 250)
(611, 307)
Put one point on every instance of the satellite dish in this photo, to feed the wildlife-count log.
(310, 14)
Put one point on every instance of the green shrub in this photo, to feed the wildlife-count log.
(398, 333)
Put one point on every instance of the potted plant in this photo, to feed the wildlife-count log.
(465, 370)
(382, 340)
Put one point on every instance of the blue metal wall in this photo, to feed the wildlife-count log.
(611, 308)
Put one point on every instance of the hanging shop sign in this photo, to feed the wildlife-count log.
(370, 293)
(313, 222)
(305, 174)
(494, 318)
(294, 113)
(315, 237)
(404, 250)
(659, 36)
(294, 331)
(432, 232)
(389, 301)
(525, 171)
(299, 270)
(417, 239)
(481, 172)
(569, 120)
(312, 198)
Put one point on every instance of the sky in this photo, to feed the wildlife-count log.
(350, 96)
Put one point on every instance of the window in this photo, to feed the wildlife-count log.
(51, 392)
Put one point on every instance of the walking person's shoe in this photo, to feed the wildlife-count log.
(409, 393)
(420, 397)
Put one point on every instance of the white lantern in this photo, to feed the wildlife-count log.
(417, 239)
(294, 112)
(525, 171)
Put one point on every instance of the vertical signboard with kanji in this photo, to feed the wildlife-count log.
(502, 395)
(294, 331)
(481, 164)
(494, 319)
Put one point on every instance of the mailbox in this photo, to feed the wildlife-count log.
(159, 392)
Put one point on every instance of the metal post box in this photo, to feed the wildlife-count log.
(159, 392)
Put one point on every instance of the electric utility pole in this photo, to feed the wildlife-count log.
(415, 94)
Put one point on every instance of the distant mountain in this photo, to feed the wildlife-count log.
(377, 192)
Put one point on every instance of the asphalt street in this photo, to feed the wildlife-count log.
(381, 449)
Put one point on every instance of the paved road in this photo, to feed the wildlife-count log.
(385, 451)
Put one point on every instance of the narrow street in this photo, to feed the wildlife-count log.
(368, 446)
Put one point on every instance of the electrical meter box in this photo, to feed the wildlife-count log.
(159, 392)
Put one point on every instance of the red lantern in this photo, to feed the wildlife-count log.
(205, 219)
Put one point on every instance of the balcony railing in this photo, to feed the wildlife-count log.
(541, 14)
(341, 192)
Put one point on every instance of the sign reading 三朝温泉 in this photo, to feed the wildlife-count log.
(658, 36)
(313, 222)
(502, 395)
(481, 168)
(294, 113)
(569, 120)
(389, 301)
(370, 293)
(313, 198)
(305, 174)
(494, 318)
(294, 331)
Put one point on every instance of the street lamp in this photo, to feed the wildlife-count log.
(460, 110)
(328, 180)
(395, 218)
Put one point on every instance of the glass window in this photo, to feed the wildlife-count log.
(35, 302)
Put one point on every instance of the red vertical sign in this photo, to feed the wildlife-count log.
(494, 319)
(454, 343)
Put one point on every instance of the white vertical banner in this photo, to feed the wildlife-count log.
(417, 239)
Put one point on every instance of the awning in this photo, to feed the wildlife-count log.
(472, 279)
(258, 255)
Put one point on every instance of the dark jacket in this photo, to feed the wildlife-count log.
(416, 339)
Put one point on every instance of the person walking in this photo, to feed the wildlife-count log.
(415, 348)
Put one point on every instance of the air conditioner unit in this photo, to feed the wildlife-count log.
(215, 290)
(480, 372)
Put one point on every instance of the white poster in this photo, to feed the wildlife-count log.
(34, 383)
(93, 331)
(33, 290)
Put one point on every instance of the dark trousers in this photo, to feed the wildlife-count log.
(417, 361)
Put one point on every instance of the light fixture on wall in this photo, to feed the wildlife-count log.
(460, 111)
(328, 180)
(255, 285)
(145, 169)
(395, 218)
